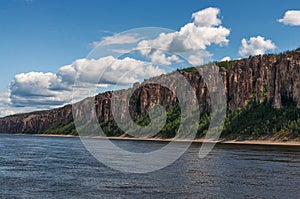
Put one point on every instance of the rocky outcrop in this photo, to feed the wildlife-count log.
(272, 78)
(37, 121)
(275, 78)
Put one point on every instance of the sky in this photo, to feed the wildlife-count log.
(44, 44)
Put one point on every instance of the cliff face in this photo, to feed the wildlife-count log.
(37, 121)
(275, 77)
(272, 78)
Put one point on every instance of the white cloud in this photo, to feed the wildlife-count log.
(160, 57)
(9, 110)
(199, 57)
(117, 39)
(5, 102)
(291, 17)
(35, 90)
(122, 51)
(227, 58)
(5, 98)
(204, 31)
(33, 83)
(4, 112)
(6, 107)
(111, 70)
(207, 17)
(39, 89)
(256, 46)
(49, 90)
(67, 74)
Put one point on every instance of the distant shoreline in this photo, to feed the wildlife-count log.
(232, 142)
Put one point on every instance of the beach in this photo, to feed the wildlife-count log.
(202, 140)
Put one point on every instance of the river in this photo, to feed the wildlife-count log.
(60, 167)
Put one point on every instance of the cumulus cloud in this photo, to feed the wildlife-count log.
(4, 112)
(111, 70)
(207, 17)
(10, 110)
(49, 90)
(33, 83)
(199, 57)
(122, 51)
(227, 58)
(4, 98)
(204, 31)
(4, 104)
(256, 46)
(291, 17)
(160, 57)
(117, 39)
(39, 89)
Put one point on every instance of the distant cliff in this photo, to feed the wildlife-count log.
(269, 85)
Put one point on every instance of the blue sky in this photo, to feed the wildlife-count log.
(44, 35)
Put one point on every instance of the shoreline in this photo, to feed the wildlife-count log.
(229, 142)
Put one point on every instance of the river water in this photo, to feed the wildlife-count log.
(60, 167)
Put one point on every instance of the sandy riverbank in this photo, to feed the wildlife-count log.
(244, 142)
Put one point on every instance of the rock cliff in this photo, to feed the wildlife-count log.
(268, 78)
